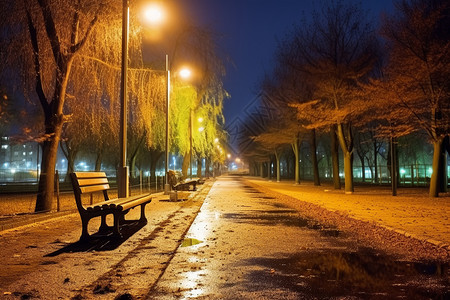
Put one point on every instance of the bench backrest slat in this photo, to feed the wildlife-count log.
(92, 181)
(93, 188)
(88, 182)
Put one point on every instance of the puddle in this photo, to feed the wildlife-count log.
(363, 274)
(284, 217)
(190, 242)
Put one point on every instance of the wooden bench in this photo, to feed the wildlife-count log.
(91, 182)
(181, 185)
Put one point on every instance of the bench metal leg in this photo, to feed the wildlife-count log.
(143, 219)
(116, 229)
(84, 230)
(103, 225)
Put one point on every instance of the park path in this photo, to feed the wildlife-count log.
(44, 260)
(247, 244)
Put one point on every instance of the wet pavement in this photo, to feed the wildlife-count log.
(229, 240)
(245, 244)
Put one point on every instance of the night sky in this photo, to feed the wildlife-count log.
(249, 30)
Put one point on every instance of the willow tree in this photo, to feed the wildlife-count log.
(201, 94)
(69, 49)
(180, 107)
(43, 39)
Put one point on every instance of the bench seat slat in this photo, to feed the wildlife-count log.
(131, 204)
(114, 202)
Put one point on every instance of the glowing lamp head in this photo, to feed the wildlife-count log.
(185, 73)
(154, 14)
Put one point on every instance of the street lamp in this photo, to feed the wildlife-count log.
(155, 15)
(184, 73)
(123, 185)
(167, 185)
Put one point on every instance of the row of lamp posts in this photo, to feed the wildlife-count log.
(123, 184)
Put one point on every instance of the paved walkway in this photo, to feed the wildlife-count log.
(411, 213)
(246, 244)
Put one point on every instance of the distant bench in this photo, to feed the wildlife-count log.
(91, 182)
(183, 185)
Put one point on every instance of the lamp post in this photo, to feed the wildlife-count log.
(154, 15)
(184, 73)
(167, 186)
(123, 186)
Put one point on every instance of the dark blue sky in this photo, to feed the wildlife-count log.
(249, 30)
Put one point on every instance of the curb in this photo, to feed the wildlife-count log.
(32, 219)
(434, 242)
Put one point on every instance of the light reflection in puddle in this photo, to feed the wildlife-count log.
(190, 284)
(190, 242)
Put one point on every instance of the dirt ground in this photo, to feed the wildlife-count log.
(411, 223)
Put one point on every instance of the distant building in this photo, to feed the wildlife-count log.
(18, 161)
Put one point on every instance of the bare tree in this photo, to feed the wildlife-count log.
(417, 81)
(334, 52)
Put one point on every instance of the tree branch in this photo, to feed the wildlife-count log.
(76, 47)
(37, 65)
(50, 28)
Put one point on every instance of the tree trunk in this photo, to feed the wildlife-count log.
(296, 150)
(155, 156)
(346, 141)
(363, 166)
(393, 165)
(54, 121)
(437, 167)
(348, 172)
(269, 169)
(70, 153)
(98, 160)
(335, 159)
(185, 164)
(315, 163)
(46, 180)
(443, 178)
(134, 156)
(277, 158)
(133, 166)
(207, 167)
(199, 168)
(375, 161)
